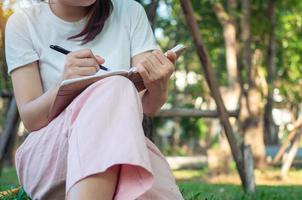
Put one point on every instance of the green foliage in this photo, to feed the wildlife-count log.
(201, 191)
(193, 128)
(8, 177)
(289, 62)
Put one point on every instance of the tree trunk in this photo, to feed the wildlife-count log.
(249, 167)
(229, 33)
(250, 112)
(270, 128)
(151, 12)
(10, 129)
(232, 92)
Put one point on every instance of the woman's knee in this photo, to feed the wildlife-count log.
(119, 86)
(120, 81)
(113, 84)
(96, 186)
(116, 84)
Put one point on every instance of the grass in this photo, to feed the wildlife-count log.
(8, 176)
(194, 186)
(203, 191)
(20, 195)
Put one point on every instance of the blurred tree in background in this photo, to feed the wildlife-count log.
(266, 64)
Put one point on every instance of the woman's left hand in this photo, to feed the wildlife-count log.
(155, 69)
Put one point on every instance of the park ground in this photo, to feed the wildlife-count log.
(199, 185)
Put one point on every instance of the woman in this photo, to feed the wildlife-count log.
(95, 148)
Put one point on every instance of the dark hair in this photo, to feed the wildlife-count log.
(99, 12)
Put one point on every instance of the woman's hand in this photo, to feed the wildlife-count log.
(155, 69)
(81, 63)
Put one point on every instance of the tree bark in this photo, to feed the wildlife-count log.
(230, 94)
(10, 129)
(270, 128)
(250, 109)
(249, 167)
(148, 127)
(229, 32)
(184, 112)
(151, 12)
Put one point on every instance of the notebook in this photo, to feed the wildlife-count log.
(71, 88)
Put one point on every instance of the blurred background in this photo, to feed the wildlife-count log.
(254, 49)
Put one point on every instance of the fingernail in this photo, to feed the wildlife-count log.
(99, 58)
(134, 69)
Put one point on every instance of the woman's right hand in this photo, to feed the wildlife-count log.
(81, 63)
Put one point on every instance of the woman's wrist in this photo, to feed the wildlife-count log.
(161, 89)
(152, 101)
(53, 93)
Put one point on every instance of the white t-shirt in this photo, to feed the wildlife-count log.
(30, 31)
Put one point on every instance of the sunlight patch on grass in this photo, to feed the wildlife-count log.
(262, 177)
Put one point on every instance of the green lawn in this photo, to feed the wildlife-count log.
(8, 178)
(193, 190)
(200, 191)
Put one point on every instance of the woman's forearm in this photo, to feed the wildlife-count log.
(35, 113)
(155, 68)
(152, 101)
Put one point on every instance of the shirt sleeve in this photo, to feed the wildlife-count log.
(19, 48)
(141, 35)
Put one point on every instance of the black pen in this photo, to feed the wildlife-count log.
(64, 51)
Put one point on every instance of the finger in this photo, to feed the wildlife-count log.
(85, 71)
(163, 59)
(154, 60)
(87, 53)
(143, 72)
(169, 65)
(86, 62)
(155, 56)
(154, 67)
(99, 59)
(172, 56)
(83, 53)
(146, 64)
(75, 76)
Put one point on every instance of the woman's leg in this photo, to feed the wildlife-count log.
(75, 146)
(98, 186)
(105, 130)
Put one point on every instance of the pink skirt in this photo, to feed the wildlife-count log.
(102, 127)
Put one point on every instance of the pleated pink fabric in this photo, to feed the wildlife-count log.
(99, 129)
